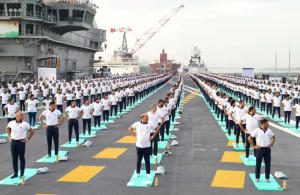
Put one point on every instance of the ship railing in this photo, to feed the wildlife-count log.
(88, 3)
(14, 12)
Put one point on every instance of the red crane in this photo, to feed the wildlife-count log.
(140, 42)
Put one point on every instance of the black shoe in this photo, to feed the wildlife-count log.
(14, 176)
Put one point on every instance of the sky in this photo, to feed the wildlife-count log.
(231, 34)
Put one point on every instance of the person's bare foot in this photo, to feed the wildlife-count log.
(257, 180)
(77, 144)
(23, 180)
(56, 160)
(267, 180)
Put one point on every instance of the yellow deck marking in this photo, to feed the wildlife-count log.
(190, 97)
(127, 140)
(229, 179)
(112, 153)
(81, 174)
(229, 143)
(233, 157)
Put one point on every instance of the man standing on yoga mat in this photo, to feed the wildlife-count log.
(17, 132)
(252, 122)
(154, 117)
(265, 140)
(143, 141)
(52, 126)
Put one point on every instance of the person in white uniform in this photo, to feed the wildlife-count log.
(17, 135)
(143, 141)
(265, 140)
(73, 114)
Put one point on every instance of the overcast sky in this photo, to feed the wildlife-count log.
(229, 33)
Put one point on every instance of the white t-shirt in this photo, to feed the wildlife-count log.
(113, 99)
(142, 134)
(5, 97)
(18, 130)
(263, 139)
(47, 103)
(287, 105)
(86, 111)
(97, 108)
(73, 112)
(78, 94)
(105, 103)
(59, 98)
(69, 96)
(252, 122)
(22, 95)
(51, 117)
(276, 101)
(297, 109)
(154, 119)
(31, 105)
(12, 109)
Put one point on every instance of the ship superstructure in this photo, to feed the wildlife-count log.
(59, 34)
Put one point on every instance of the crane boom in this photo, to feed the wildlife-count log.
(153, 30)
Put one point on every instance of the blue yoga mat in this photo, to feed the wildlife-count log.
(263, 185)
(251, 162)
(223, 128)
(73, 143)
(107, 122)
(152, 160)
(29, 172)
(295, 130)
(52, 159)
(142, 181)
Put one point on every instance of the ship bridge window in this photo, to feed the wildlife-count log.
(52, 15)
(64, 14)
(14, 9)
(78, 15)
(29, 9)
(88, 18)
(2, 12)
(38, 11)
(29, 29)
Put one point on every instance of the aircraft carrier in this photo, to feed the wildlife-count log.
(48, 33)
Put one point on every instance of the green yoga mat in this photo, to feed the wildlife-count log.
(277, 119)
(112, 117)
(36, 126)
(263, 185)
(29, 172)
(240, 147)
(73, 143)
(52, 159)
(107, 122)
(223, 128)
(96, 128)
(4, 116)
(4, 135)
(295, 130)
(142, 181)
(286, 125)
(152, 161)
(221, 123)
(86, 135)
(231, 137)
(251, 162)
(162, 145)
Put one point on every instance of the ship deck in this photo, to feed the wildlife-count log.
(190, 170)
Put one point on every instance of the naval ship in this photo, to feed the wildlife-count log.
(60, 34)
(196, 64)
